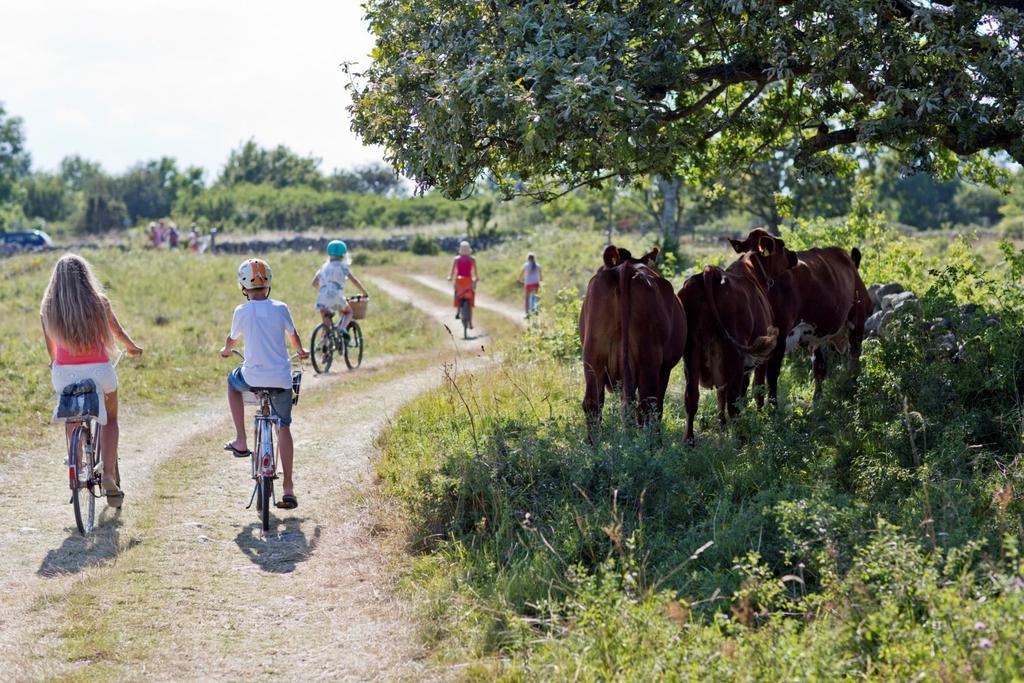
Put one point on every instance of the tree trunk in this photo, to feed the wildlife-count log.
(669, 188)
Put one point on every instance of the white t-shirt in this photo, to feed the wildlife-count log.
(263, 325)
(333, 274)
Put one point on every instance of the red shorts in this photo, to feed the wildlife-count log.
(464, 290)
(532, 288)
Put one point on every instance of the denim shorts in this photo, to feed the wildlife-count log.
(280, 402)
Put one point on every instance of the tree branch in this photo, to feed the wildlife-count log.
(709, 96)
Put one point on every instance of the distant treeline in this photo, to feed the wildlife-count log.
(257, 189)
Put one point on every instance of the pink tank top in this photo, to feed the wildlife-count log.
(464, 266)
(95, 355)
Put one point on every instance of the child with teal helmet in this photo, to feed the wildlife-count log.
(329, 283)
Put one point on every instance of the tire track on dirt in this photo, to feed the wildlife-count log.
(43, 553)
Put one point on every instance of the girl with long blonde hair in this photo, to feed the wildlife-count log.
(80, 329)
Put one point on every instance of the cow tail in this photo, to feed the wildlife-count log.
(761, 347)
(626, 311)
(855, 255)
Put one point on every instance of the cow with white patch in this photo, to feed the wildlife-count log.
(821, 301)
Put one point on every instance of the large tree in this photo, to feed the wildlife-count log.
(547, 94)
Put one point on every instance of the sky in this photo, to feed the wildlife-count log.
(122, 81)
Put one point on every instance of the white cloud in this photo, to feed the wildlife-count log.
(124, 81)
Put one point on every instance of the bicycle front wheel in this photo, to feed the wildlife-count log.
(321, 349)
(75, 465)
(464, 314)
(354, 347)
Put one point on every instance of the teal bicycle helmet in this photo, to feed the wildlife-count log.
(337, 248)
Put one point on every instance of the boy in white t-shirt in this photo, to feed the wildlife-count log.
(329, 283)
(263, 323)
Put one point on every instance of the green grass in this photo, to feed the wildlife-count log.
(813, 542)
(178, 307)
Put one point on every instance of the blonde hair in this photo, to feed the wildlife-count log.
(74, 308)
(464, 248)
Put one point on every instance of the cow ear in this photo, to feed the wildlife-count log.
(611, 256)
(791, 259)
(766, 245)
(738, 246)
(652, 257)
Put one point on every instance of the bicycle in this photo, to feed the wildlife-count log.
(533, 305)
(264, 458)
(327, 340)
(85, 461)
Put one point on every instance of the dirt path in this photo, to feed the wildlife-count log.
(483, 301)
(181, 583)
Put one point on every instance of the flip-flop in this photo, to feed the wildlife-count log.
(115, 496)
(288, 502)
(230, 447)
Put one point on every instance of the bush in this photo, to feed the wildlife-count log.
(423, 246)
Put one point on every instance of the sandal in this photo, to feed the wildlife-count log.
(115, 496)
(288, 502)
(230, 447)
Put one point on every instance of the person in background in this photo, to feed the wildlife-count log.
(193, 238)
(172, 235)
(466, 276)
(154, 240)
(530, 278)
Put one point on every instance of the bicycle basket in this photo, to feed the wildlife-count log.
(296, 385)
(358, 308)
(81, 399)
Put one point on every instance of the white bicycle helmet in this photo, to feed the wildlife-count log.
(254, 273)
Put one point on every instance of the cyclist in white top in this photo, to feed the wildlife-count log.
(329, 282)
(263, 323)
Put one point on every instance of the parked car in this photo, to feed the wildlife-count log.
(30, 239)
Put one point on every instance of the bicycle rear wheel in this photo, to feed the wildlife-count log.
(266, 493)
(321, 349)
(74, 476)
(464, 313)
(354, 347)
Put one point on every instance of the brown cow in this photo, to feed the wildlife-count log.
(820, 301)
(633, 332)
(731, 326)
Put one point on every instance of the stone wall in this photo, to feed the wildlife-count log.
(232, 245)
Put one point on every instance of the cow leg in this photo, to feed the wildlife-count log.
(759, 375)
(773, 368)
(856, 344)
(692, 393)
(648, 388)
(732, 393)
(723, 403)
(820, 367)
(663, 379)
(593, 400)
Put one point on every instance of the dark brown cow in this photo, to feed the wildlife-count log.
(633, 333)
(822, 300)
(731, 326)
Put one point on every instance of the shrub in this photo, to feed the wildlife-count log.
(423, 246)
